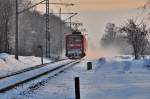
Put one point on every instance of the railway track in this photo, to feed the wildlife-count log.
(11, 82)
(28, 69)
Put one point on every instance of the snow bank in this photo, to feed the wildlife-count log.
(9, 64)
(116, 78)
(3, 56)
(122, 64)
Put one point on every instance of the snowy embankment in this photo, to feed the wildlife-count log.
(119, 77)
(114, 78)
(9, 64)
(16, 79)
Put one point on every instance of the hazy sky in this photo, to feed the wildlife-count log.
(96, 13)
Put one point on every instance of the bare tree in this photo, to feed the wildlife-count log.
(136, 36)
(110, 35)
(5, 16)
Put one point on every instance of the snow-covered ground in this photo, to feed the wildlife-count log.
(113, 78)
(9, 64)
(12, 80)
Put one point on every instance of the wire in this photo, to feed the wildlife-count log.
(31, 7)
(143, 10)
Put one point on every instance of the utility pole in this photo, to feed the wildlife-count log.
(61, 34)
(17, 19)
(16, 35)
(59, 51)
(48, 35)
(47, 24)
(47, 30)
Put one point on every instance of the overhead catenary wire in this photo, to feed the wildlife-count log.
(143, 8)
(47, 22)
(31, 7)
(17, 26)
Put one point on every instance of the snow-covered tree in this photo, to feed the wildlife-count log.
(136, 35)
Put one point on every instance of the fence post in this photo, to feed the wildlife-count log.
(41, 48)
(77, 88)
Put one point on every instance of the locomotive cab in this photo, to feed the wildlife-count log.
(75, 45)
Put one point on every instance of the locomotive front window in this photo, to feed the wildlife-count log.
(74, 39)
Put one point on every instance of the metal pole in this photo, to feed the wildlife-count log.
(42, 55)
(47, 27)
(77, 88)
(61, 34)
(16, 35)
(41, 50)
(47, 24)
(17, 17)
(70, 24)
(46, 30)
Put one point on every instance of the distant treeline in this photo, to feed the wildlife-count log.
(32, 28)
(130, 38)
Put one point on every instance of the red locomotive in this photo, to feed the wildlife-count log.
(75, 45)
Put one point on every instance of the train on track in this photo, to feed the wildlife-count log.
(76, 45)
